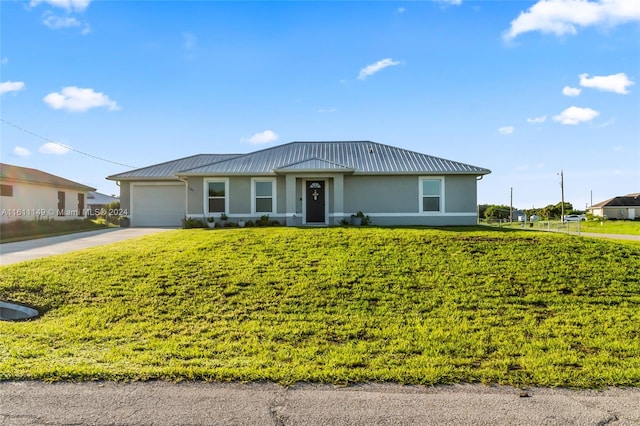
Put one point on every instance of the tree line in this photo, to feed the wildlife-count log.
(552, 211)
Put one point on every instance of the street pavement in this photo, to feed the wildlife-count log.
(198, 403)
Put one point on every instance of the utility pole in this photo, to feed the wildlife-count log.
(562, 189)
(511, 207)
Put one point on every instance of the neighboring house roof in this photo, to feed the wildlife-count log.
(629, 200)
(16, 174)
(362, 157)
(99, 199)
(168, 170)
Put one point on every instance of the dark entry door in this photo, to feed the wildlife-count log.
(315, 201)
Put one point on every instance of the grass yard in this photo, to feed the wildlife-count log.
(626, 227)
(332, 305)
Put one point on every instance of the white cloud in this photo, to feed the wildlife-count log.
(77, 99)
(21, 152)
(506, 130)
(327, 110)
(537, 120)
(575, 115)
(56, 22)
(5, 60)
(264, 137)
(607, 123)
(68, 5)
(561, 17)
(401, 10)
(374, 68)
(571, 91)
(11, 86)
(189, 40)
(53, 148)
(616, 83)
(454, 2)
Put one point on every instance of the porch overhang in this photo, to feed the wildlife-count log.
(314, 165)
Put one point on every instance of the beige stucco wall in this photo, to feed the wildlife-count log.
(33, 201)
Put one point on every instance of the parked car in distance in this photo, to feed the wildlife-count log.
(574, 217)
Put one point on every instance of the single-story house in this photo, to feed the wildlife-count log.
(305, 183)
(624, 207)
(97, 202)
(30, 194)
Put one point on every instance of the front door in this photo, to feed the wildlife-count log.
(315, 201)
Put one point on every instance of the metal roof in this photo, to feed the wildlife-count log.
(98, 198)
(168, 170)
(313, 164)
(364, 157)
(12, 173)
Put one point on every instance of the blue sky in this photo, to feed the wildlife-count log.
(524, 88)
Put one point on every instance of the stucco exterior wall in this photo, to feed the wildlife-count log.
(195, 196)
(460, 194)
(619, 212)
(380, 194)
(125, 196)
(239, 197)
(32, 201)
(388, 200)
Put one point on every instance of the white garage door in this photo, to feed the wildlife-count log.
(157, 205)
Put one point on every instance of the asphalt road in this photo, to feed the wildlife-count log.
(162, 403)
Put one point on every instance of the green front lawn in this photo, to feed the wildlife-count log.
(334, 305)
(628, 227)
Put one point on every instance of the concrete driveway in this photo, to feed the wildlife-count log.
(43, 247)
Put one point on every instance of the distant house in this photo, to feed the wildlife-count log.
(624, 207)
(30, 194)
(96, 202)
(305, 183)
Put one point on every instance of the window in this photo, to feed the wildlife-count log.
(431, 195)
(60, 203)
(217, 196)
(264, 195)
(80, 204)
(6, 190)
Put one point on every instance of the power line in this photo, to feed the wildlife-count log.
(63, 145)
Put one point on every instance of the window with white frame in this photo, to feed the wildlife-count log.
(217, 196)
(263, 195)
(431, 195)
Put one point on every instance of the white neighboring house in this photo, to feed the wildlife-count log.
(622, 207)
(31, 194)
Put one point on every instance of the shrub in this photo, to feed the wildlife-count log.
(190, 222)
